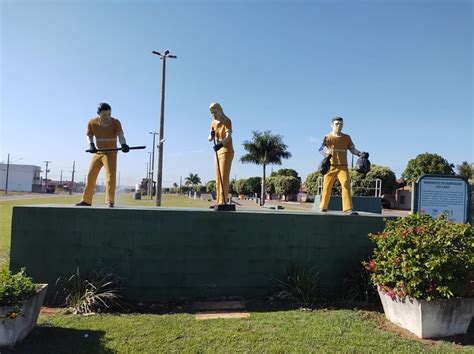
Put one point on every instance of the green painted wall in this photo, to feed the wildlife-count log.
(169, 254)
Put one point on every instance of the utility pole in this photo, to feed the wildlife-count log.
(153, 163)
(61, 178)
(180, 183)
(46, 178)
(162, 122)
(150, 181)
(72, 179)
(8, 168)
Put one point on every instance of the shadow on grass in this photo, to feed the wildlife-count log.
(46, 339)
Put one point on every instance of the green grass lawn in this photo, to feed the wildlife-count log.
(265, 331)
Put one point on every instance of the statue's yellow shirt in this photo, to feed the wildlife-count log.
(105, 136)
(221, 128)
(338, 146)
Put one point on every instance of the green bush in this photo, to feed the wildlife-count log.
(211, 186)
(15, 288)
(423, 258)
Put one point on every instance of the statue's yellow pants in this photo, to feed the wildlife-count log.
(225, 163)
(109, 161)
(341, 173)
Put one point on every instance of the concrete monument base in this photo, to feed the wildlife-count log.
(168, 254)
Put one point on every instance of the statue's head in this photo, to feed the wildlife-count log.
(216, 111)
(104, 111)
(336, 124)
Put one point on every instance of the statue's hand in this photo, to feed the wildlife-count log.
(125, 148)
(217, 147)
(364, 154)
(92, 149)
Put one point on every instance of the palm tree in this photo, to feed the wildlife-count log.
(465, 170)
(265, 149)
(192, 180)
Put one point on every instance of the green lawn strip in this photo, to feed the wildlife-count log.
(282, 331)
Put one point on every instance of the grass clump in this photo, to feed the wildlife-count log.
(90, 292)
(299, 285)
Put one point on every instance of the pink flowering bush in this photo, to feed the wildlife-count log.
(423, 258)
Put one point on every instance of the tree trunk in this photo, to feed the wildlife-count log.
(263, 193)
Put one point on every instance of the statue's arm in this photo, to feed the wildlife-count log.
(121, 138)
(228, 134)
(354, 151)
(324, 150)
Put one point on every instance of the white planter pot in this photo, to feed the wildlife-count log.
(14, 330)
(429, 319)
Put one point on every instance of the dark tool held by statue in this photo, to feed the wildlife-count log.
(119, 149)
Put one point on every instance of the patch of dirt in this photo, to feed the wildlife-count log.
(381, 322)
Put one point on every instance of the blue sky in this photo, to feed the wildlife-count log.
(399, 72)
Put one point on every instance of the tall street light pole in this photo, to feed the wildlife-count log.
(162, 122)
(150, 189)
(152, 163)
(46, 177)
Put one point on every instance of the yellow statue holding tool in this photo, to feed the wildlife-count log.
(336, 144)
(221, 134)
(106, 130)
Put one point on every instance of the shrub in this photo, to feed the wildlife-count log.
(299, 285)
(15, 289)
(423, 258)
(90, 292)
(211, 186)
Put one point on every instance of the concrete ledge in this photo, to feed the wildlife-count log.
(173, 253)
(367, 204)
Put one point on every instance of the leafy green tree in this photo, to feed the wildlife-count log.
(192, 180)
(286, 172)
(242, 187)
(211, 186)
(427, 163)
(255, 185)
(363, 185)
(287, 185)
(465, 170)
(270, 185)
(265, 149)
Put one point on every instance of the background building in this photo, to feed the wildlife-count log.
(21, 178)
